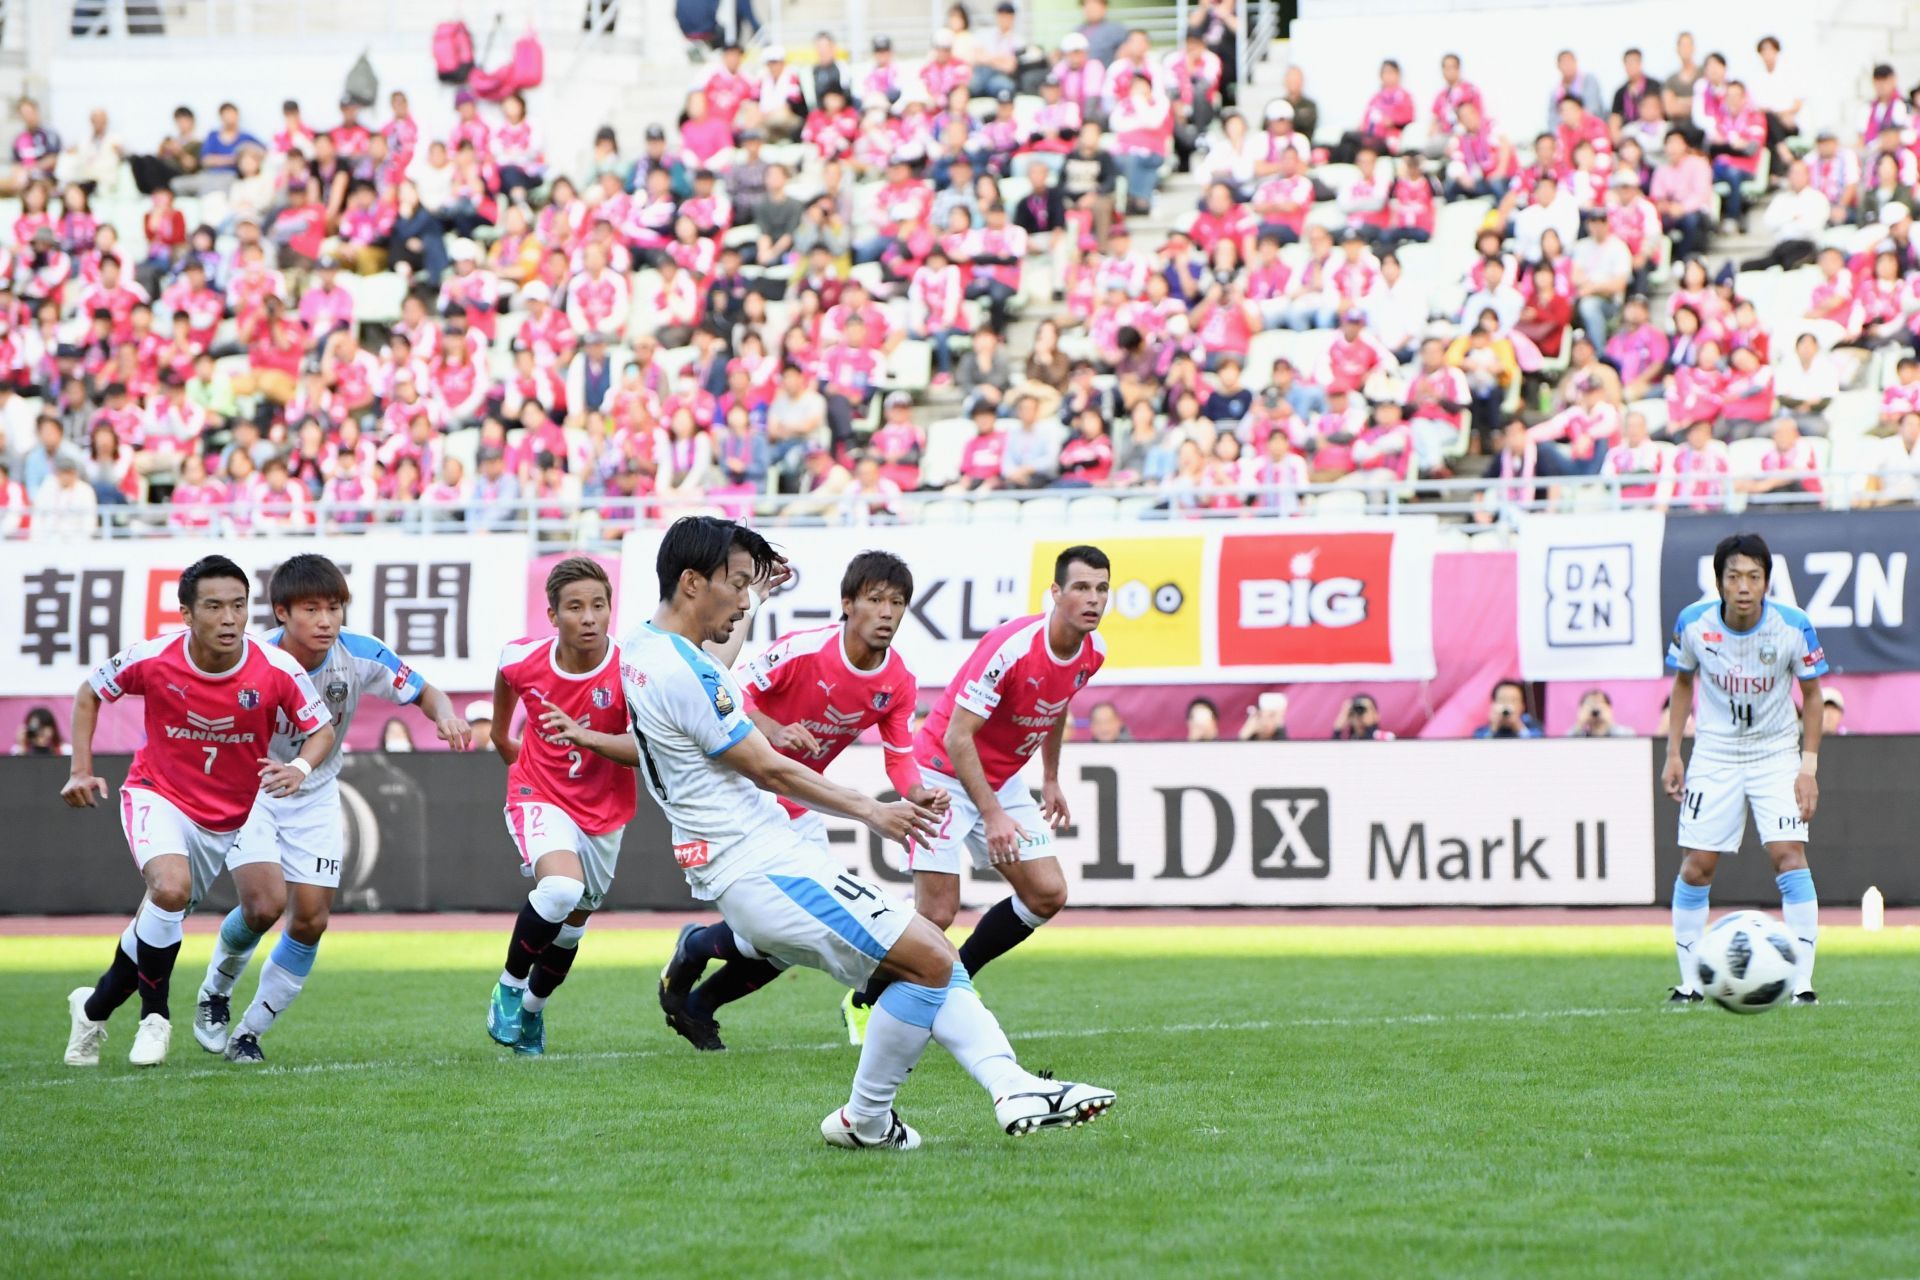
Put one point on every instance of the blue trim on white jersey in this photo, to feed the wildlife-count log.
(734, 739)
(368, 648)
(812, 897)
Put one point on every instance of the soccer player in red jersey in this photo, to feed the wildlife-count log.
(567, 807)
(1009, 701)
(813, 692)
(212, 695)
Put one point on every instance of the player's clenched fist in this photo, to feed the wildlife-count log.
(932, 797)
(80, 789)
(1673, 778)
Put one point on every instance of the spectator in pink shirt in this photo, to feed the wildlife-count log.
(1683, 193)
(1388, 111)
(704, 135)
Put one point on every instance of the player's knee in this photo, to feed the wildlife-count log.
(170, 895)
(261, 909)
(1788, 857)
(309, 922)
(581, 916)
(555, 897)
(1695, 871)
(940, 914)
(1045, 899)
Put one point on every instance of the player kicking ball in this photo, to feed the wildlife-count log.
(1008, 701)
(813, 692)
(567, 808)
(211, 697)
(715, 776)
(297, 841)
(1748, 750)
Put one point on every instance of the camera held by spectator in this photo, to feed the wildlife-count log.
(1266, 718)
(1359, 718)
(1596, 718)
(1507, 713)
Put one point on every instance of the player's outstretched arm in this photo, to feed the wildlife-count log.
(754, 759)
(1673, 778)
(1806, 791)
(452, 727)
(82, 786)
(621, 748)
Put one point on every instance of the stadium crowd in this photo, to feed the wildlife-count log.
(843, 282)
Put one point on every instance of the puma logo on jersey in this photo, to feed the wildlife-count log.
(825, 687)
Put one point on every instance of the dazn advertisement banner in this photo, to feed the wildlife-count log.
(445, 605)
(1190, 604)
(1850, 571)
(1589, 604)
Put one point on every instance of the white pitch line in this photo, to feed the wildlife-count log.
(1058, 1033)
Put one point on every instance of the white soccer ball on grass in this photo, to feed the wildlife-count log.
(1745, 963)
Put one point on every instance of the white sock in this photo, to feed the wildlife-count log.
(280, 981)
(967, 1029)
(1800, 910)
(1689, 923)
(1028, 916)
(897, 1034)
(232, 950)
(508, 980)
(158, 928)
(128, 946)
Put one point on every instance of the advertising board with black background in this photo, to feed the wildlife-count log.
(1851, 572)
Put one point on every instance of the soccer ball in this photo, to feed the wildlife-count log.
(1745, 963)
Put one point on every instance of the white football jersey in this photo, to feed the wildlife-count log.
(686, 709)
(1746, 678)
(356, 664)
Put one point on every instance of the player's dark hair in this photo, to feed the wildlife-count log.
(875, 569)
(571, 570)
(1092, 557)
(1742, 544)
(307, 577)
(209, 567)
(702, 544)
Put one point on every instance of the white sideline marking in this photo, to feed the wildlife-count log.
(506, 1057)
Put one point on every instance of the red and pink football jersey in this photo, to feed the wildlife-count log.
(806, 678)
(595, 792)
(206, 734)
(1015, 682)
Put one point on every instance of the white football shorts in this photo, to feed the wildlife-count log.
(155, 827)
(798, 906)
(539, 828)
(964, 827)
(301, 832)
(1713, 812)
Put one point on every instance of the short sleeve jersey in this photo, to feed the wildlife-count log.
(206, 731)
(806, 678)
(1746, 710)
(686, 710)
(595, 792)
(356, 664)
(1017, 684)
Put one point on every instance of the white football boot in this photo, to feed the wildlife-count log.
(150, 1041)
(212, 1021)
(86, 1036)
(839, 1131)
(1048, 1103)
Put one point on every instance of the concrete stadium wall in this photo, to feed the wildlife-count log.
(425, 832)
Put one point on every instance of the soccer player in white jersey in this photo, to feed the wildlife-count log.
(715, 775)
(211, 695)
(297, 841)
(1753, 749)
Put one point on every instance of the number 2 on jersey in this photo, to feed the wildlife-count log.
(574, 763)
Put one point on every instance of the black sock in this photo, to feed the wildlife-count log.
(714, 942)
(736, 978)
(551, 970)
(120, 981)
(155, 965)
(998, 932)
(869, 995)
(532, 934)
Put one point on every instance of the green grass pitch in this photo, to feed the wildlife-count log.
(1294, 1101)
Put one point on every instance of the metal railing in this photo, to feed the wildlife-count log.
(1483, 505)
